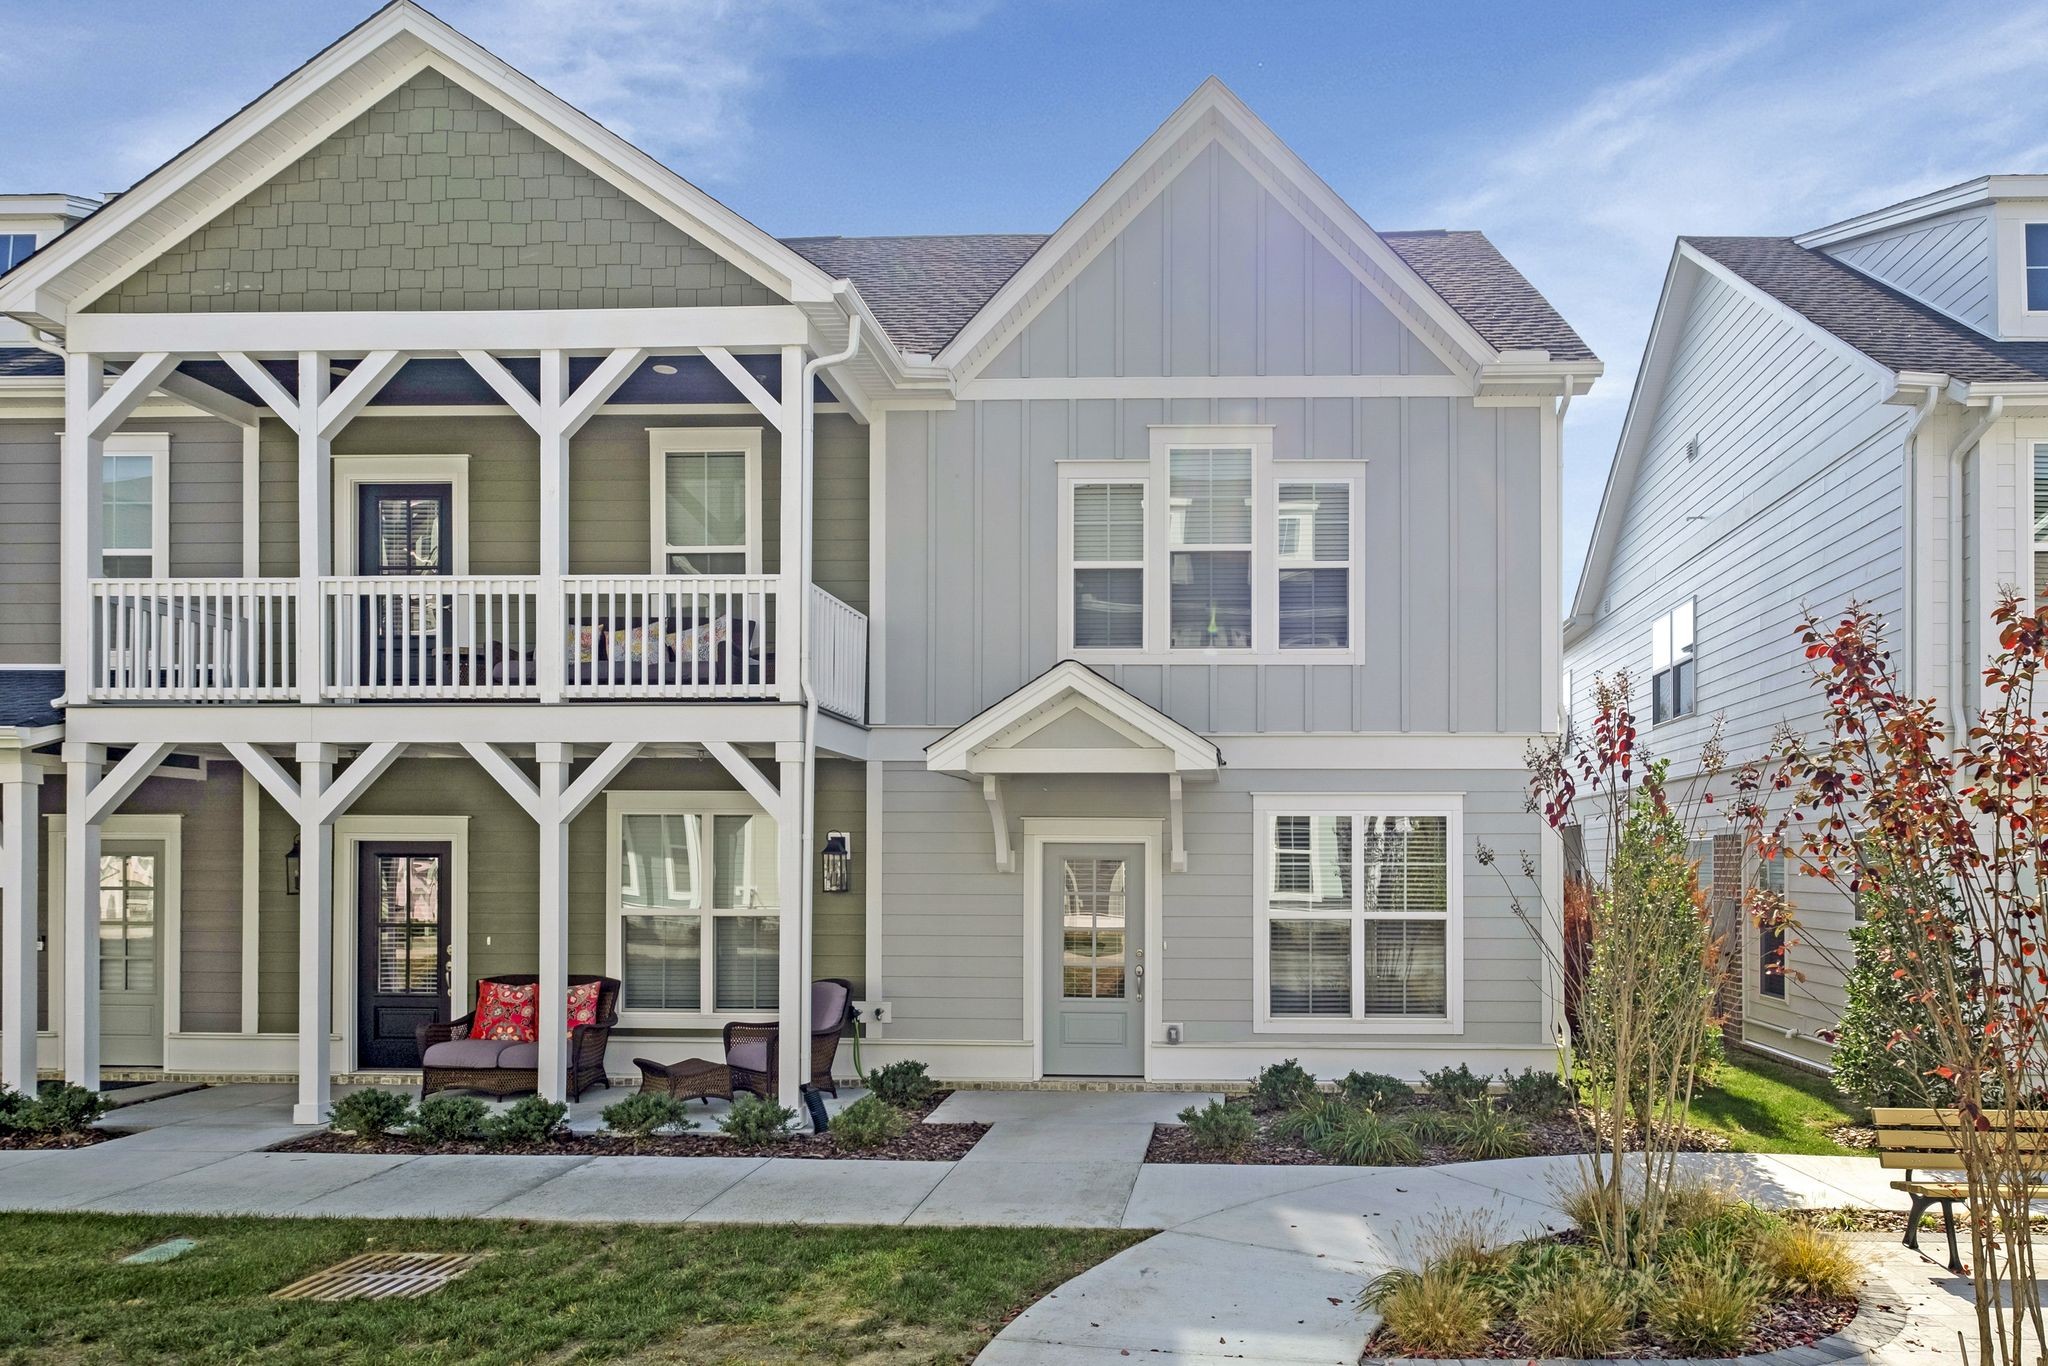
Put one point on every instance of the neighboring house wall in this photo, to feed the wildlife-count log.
(1946, 263)
(433, 200)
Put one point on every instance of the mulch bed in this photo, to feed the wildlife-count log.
(1560, 1135)
(920, 1143)
(1797, 1322)
(13, 1141)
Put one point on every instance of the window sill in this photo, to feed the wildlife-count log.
(1365, 1027)
(693, 1019)
(1352, 658)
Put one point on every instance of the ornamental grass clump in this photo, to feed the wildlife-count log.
(1313, 1118)
(1363, 1139)
(369, 1115)
(1480, 1133)
(1222, 1127)
(1578, 1311)
(868, 1123)
(1809, 1260)
(1706, 1306)
(1435, 1312)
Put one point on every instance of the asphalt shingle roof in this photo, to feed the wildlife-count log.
(25, 696)
(17, 361)
(1489, 293)
(1885, 325)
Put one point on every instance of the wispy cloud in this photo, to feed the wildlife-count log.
(683, 78)
(1772, 128)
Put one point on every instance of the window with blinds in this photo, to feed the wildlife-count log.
(1312, 550)
(1358, 901)
(1109, 566)
(704, 511)
(684, 875)
(128, 520)
(2041, 522)
(1210, 534)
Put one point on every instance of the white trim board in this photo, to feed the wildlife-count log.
(351, 472)
(350, 834)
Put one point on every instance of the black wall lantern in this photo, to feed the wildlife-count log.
(291, 870)
(838, 861)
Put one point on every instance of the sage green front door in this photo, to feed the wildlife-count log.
(131, 953)
(1094, 916)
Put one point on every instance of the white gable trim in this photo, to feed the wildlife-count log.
(986, 745)
(1682, 279)
(1214, 114)
(323, 95)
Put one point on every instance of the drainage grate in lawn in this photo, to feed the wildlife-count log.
(381, 1276)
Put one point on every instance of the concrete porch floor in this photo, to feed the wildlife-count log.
(1251, 1262)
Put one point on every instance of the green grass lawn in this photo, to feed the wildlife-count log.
(1768, 1107)
(695, 1294)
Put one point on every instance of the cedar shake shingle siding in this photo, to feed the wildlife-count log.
(431, 200)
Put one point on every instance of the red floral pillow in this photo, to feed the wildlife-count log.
(583, 1005)
(506, 1013)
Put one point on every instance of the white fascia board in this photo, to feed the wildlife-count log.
(953, 752)
(353, 73)
(1949, 199)
(737, 327)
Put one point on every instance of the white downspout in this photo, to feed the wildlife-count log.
(1914, 625)
(805, 457)
(1958, 665)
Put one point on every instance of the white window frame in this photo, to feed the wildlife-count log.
(351, 472)
(1668, 620)
(2037, 526)
(157, 447)
(1154, 474)
(1266, 807)
(2027, 269)
(663, 442)
(705, 806)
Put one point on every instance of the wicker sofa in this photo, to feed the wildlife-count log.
(451, 1060)
(753, 1058)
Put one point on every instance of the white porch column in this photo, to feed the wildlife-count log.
(316, 931)
(793, 1063)
(83, 475)
(795, 609)
(550, 650)
(82, 766)
(316, 531)
(554, 758)
(20, 833)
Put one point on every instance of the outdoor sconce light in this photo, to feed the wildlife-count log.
(838, 861)
(291, 870)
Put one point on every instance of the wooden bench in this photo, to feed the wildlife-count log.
(1924, 1140)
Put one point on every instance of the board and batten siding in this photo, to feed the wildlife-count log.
(1946, 264)
(1795, 500)
(205, 520)
(1448, 508)
(953, 958)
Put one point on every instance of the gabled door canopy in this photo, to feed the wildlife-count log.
(1071, 719)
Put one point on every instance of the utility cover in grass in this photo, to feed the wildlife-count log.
(381, 1276)
(161, 1252)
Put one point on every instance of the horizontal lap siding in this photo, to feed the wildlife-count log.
(952, 932)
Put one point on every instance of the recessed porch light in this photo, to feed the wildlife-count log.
(662, 367)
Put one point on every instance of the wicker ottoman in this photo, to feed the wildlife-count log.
(691, 1079)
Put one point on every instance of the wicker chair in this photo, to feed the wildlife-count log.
(451, 1060)
(750, 1050)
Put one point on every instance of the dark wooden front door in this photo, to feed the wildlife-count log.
(403, 531)
(402, 925)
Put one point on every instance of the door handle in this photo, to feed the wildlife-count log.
(1140, 971)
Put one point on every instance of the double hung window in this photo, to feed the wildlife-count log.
(706, 496)
(1671, 665)
(135, 514)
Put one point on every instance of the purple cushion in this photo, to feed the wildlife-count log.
(828, 1006)
(469, 1053)
(752, 1054)
(519, 1056)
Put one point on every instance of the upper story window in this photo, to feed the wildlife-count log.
(135, 524)
(15, 247)
(2037, 267)
(706, 499)
(1671, 664)
(1211, 546)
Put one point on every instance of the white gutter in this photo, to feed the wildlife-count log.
(1914, 626)
(1959, 711)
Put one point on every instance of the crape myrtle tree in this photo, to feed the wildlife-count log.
(1643, 1023)
(1946, 835)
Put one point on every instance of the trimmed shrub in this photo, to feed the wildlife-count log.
(1376, 1090)
(1453, 1086)
(1481, 1133)
(905, 1085)
(1363, 1139)
(1221, 1127)
(1704, 1306)
(868, 1123)
(448, 1118)
(1808, 1260)
(1536, 1095)
(754, 1120)
(1281, 1086)
(369, 1114)
(644, 1113)
(1576, 1313)
(66, 1110)
(530, 1119)
(1313, 1118)
(1435, 1313)
(13, 1106)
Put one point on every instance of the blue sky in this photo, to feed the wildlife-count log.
(1582, 138)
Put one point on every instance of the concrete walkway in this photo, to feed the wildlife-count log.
(1251, 1263)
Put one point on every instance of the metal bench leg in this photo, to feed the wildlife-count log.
(1948, 1219)
(1920, 1204)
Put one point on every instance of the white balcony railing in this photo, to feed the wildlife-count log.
(468, 638)
(205, 640)
(400, 637)
(839, 656)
